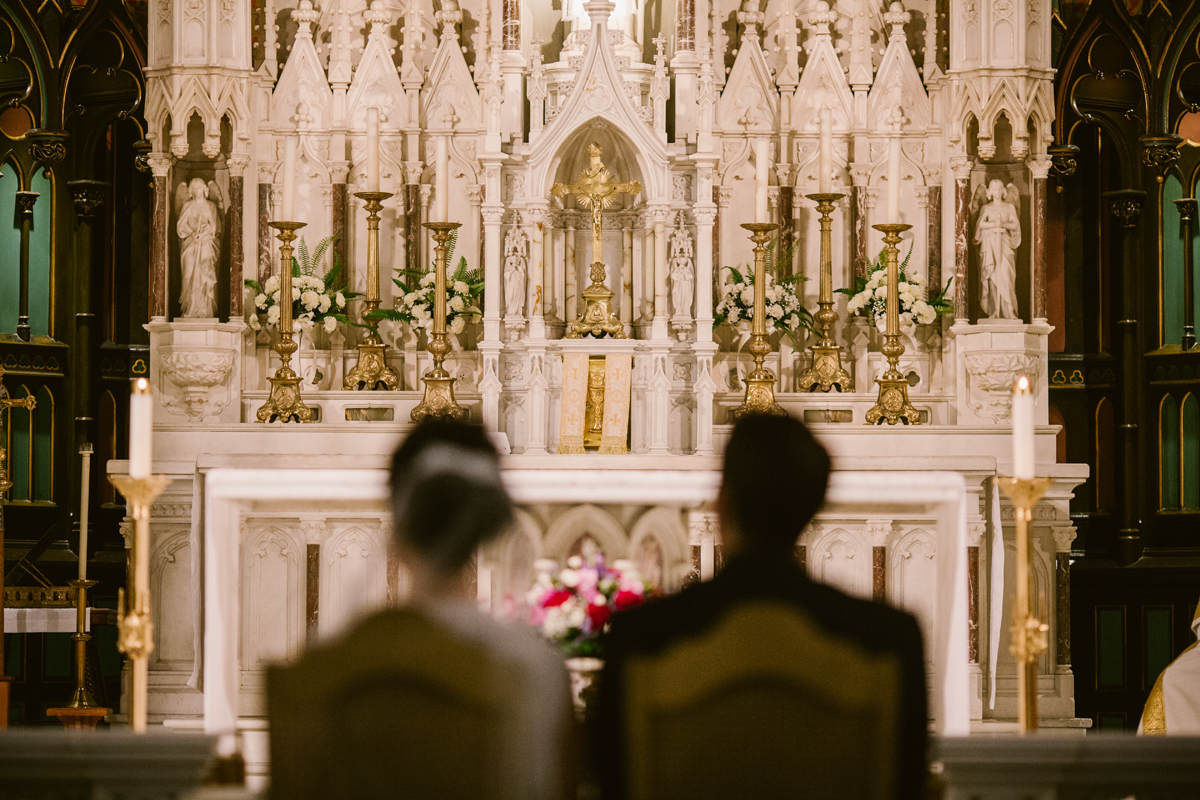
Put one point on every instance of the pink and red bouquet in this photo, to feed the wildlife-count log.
(572, 608)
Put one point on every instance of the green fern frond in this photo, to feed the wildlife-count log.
(301, 256)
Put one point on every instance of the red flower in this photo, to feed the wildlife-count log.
(598, 616)
(626, 600)
(556, 598)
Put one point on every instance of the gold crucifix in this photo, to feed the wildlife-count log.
(596, 189)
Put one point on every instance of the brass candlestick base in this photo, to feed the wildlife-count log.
(439, 399)
(372, 370)
(826, 370)
(760, 383)
(598, 318)
(284, 403)
(893, 405)
(82, 697)
(1028, 632)
(135, 636)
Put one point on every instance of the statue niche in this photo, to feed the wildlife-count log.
(198, 226)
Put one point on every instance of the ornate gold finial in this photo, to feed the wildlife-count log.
(596, 189)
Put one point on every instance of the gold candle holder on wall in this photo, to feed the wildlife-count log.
(284, 403)
(1028, 632)
(135, 636)
(439, 384)
(760, 383)
(826, 370)
(372, 370)
(893, 405)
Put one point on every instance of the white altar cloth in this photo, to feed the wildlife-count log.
(230, 494)
(44, 620)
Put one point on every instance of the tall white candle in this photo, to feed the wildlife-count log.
(893, 180)
(84, 497)
(762, 211)
(1022, 427)
(442, 186)
(825, 176)
(372, 149)
(141, 418)
(287, 211)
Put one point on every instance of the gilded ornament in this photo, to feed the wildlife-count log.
(826, 371)
(284, 403)
(893, 405)
(439, 401)
(372, 370)
(760, 383)
(1063, 159)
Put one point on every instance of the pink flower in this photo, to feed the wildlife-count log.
(626, 600)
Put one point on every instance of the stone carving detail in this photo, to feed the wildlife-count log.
(990, 380)
(196, 372)
(682, 272)
(516, 253)
(199, 231)
(998, 234)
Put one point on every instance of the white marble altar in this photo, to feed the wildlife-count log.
(714, 107)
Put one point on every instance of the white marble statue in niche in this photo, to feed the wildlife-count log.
(198, 228)
(998, 234)
(516, 249)
(683, 273)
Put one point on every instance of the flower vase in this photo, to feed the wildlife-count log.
(585, 680)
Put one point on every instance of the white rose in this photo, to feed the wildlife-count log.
(748, 296)
(881, 292)
(273, 315)
(456, 303)
(310, 299)
(325, 303)
(330, 324)
(272, 284)
(260, 300)
(457, 325)
(461, 288)
(340, 299)
(429, 279)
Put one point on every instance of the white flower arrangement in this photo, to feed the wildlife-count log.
(315, 300)
(414, 302)
(869, 299)
(784, 310)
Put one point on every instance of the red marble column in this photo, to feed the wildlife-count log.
(962, 212)
(934, 211)
(265, 261)
(858, 228)
(340, 201)
(1040, 168)
(879, 574)
(237, 203)
(412, 227)
(1062, 608)
(312, 593)
(787, 229)
(160, 166)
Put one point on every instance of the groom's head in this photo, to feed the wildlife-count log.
(773, 483)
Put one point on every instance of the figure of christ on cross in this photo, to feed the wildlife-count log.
(596, 189)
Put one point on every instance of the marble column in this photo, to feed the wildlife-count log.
(570, 270)
(263, 231)
(626, 313)
(490, 384)
(704, 385)
(339, 205)
(859, 238)
(25, 203)
(660, 271)
(426, 242)
(962, 166)
(878, 531)
(412, 228)
(934, 216)
(1039, 168)
(237, 227)
(537, 216)
(787, 221)
(1064, 535)
(160, 167)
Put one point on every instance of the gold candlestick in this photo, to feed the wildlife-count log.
(135, 630)
(760, 383)
(82, 697)
(893, 405)
(372, 370)
(439, 384)
(284, 403)
(826, 371)
(1028, 632)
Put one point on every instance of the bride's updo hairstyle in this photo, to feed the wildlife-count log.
(447, 495)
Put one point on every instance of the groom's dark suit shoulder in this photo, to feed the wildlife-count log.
(652, 629)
